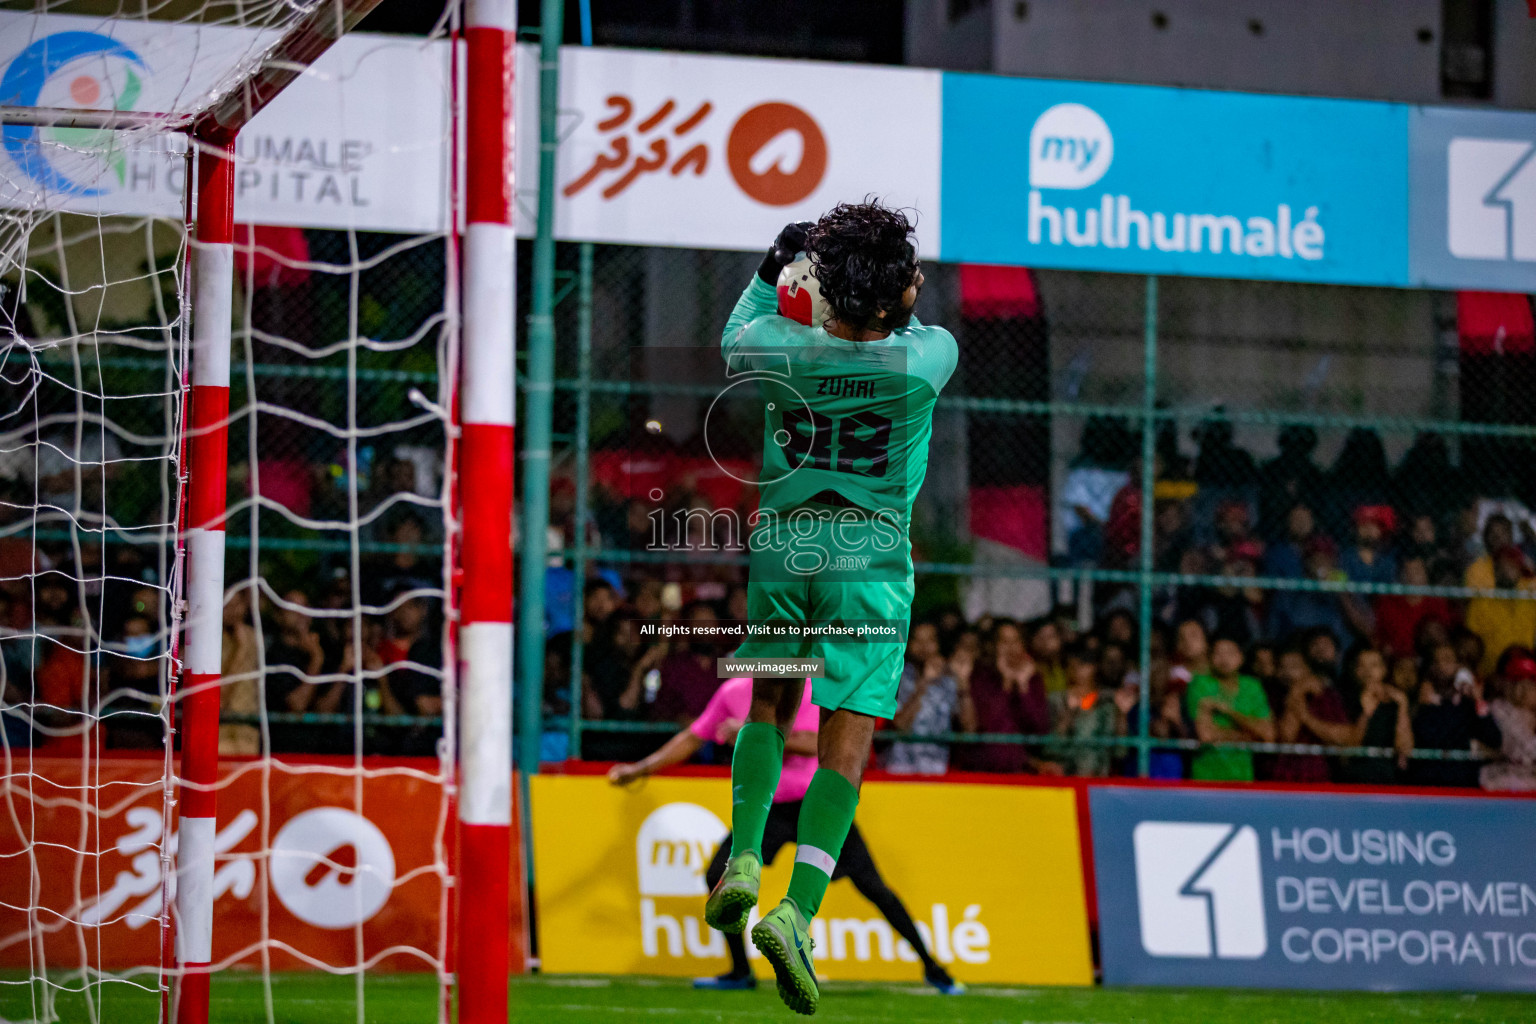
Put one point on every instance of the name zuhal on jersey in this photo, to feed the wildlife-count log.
(846, 387)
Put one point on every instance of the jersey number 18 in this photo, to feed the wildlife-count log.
(863, 441)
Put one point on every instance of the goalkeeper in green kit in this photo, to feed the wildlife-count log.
(848, 409)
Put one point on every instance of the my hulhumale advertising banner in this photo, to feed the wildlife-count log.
(621, 881)
(1171, 181)
(1319, 891)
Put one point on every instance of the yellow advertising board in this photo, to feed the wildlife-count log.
(991, 874)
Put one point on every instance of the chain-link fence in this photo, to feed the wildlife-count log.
(1177, 526)
(335, 475)
(1123, 472)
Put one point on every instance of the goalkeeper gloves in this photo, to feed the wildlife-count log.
(789, 244)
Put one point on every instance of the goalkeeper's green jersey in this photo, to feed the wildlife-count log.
(853, 418)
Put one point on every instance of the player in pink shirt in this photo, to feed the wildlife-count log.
(721, 721)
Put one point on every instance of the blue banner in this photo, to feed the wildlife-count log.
(1318, 891)
(1474, 199)
(1174, 181)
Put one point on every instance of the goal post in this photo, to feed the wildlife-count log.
(485, 455)
(207, 445)
(475, 405)
(213, 134)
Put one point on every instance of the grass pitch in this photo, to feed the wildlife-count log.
(239, 998)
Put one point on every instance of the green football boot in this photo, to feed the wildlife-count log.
(784, 938)
(734, 895)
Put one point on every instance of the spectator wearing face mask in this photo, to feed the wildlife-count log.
(1470, 648)
(132, 678)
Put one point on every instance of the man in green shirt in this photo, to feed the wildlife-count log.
(1226, 707)
(848, 413)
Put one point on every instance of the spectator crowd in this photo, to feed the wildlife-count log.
(1366, 663)
(1334, 670)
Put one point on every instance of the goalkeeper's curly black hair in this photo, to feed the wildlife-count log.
(864, 260)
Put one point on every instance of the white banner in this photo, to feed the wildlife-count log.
(721, 152)
(359, 141)
(656, 148)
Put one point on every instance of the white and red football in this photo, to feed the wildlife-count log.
(800, 296)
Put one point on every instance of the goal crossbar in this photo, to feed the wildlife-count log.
(76, 117)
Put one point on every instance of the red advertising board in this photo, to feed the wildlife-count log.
(309, 856)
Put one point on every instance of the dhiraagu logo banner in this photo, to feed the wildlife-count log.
(1171, 181)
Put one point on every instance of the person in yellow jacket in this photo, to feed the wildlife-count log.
(1504, 622)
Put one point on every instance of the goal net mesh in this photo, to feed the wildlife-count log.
(334, 786)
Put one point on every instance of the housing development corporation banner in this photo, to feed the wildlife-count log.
(1238, 888)
(991, 874)
(1474, 188)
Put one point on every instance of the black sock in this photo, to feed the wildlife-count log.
(738, 947)
(894, 911)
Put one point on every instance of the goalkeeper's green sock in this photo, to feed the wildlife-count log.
(755, 771)
(825, 818)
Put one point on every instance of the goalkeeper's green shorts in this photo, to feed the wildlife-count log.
(843, 570)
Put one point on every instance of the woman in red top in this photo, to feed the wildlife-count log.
(1398, 616)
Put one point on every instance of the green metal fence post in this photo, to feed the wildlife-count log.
(1148, 482)
(538, 410)
(583, 426)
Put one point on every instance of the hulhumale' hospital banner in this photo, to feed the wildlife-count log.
(1174, 181)
(1237, 888)
(358, 141)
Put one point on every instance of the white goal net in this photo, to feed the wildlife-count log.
(333, 782)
